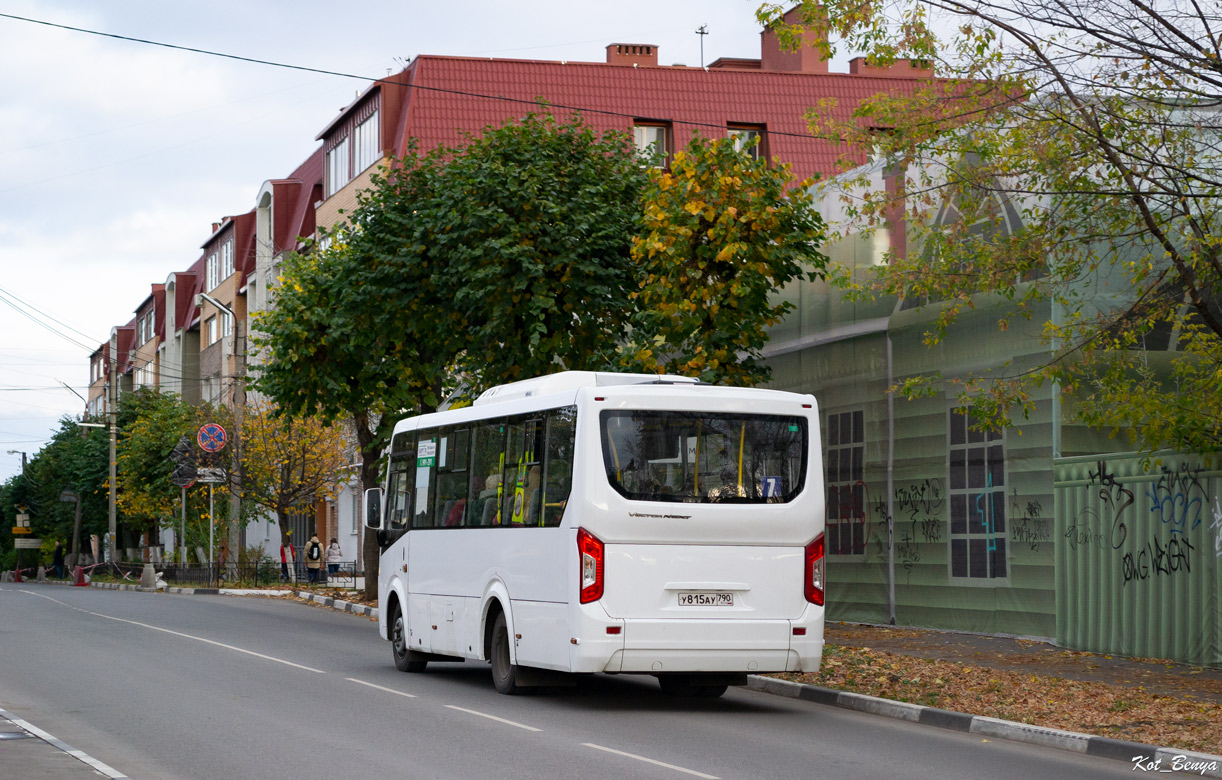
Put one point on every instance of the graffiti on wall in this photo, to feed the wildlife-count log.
(918, 509)
(1178, 499)
(1027, 524)
(1179, 502)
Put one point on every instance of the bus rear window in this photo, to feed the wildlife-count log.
(703, 457)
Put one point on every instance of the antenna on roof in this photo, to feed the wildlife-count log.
(702, 31)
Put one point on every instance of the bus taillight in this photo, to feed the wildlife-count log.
(591, 551)
(814, 571)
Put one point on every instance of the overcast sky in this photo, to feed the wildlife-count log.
(117, 157)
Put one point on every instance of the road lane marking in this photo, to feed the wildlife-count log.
(651, 761)
(380, 688)
(79, 755)
(493, 717)
(184, 636)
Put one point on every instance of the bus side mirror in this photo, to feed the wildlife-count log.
(373, 509)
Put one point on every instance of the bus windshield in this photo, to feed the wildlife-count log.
(704, 457)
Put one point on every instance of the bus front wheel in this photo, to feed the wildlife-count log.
(504, 673)
(405, 660)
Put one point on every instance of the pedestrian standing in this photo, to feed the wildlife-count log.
(59, 559)
(334, 556)
(313, 556)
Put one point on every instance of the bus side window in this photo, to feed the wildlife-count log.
(426, 467)
(399, 491)
(453, 478)
(487, 457)
(558, 464)
(523, 471)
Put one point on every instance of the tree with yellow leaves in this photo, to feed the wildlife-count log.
(719, 235)
(289, 462)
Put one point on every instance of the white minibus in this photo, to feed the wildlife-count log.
(596, 522)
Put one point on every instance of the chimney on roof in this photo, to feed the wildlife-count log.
(808, 59)
(632, 54)
(216, 226)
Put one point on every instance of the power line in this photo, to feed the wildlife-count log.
(29, 305)
(43, 325)
(375, 80)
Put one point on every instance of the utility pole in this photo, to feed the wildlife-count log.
(702, 31)
(112, 413)
(235, 471)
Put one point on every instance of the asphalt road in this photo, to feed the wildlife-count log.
(163, 687)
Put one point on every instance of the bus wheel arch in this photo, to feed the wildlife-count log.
(406, 660)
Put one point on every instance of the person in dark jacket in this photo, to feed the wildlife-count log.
(58, 560)
(313, 557)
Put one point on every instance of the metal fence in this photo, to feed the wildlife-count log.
(262, 574)
(1139, 556)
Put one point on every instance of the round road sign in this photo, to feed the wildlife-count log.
(212, 438)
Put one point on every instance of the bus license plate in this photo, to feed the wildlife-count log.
(693, 599)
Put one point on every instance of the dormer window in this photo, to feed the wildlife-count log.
(337, 167)
(652, 143)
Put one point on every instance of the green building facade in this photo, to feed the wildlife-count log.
(930, 523)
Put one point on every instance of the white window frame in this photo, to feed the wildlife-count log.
(211, 268)
(210, 330)
(742, 135)
(366, 148)
(338, 167)
(653, 143)
(227, 259)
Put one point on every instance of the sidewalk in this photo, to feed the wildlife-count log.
(28, 751)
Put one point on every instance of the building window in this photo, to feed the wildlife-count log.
(227, 259)
(337, 167)
(211, 272)
(366, 149)
(228, 326)
(846, 487)
(144, 328)
(210, 330)
(652, 143)
(748, 139)
(977, 499)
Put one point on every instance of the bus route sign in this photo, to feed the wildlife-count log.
(212, 438)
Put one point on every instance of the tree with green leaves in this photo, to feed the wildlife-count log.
(722, 231)
(500, 259)
(1067, 158)
(74, 459)
(533, 222)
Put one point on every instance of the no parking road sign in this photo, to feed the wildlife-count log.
(212, 438)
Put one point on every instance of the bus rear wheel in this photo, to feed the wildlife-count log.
(405, 660)
(504, 673)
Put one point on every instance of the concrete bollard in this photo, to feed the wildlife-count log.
(78, 578)
(42, 574)
(148, 577)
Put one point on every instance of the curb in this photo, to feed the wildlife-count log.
(1145, 757)
(337, 604)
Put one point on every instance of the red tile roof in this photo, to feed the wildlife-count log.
(450, 94)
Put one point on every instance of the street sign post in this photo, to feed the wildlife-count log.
(27, 544)
(212, 438)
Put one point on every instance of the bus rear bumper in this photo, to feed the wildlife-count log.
(664, 646)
